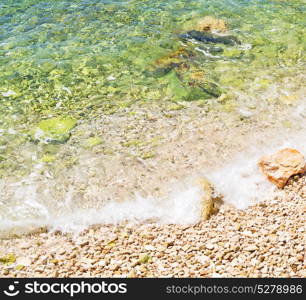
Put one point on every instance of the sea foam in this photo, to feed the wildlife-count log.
(31, 202)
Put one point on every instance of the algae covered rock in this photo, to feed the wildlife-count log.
(175, 86)
(191, 90)
(174, 57)
(173, 60)
(92, 142)
(54, 130)
(48, 158)
(232, 53)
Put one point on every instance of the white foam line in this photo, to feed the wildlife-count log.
(240, 182)
(181, 207)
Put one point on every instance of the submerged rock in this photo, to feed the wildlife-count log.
(174, 57)
(280, 166)
(210, 89)
(47, 158)
(173, 60)
(232, 53)
(179, 69)
(54, 130)
(92, 142)
(206, 37)
(192, 90)
(211, 24)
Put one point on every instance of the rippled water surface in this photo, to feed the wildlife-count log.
(73, 56)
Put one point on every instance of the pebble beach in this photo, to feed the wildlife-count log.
(152, 139)
(266, 240)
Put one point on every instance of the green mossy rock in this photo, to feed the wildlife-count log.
(232, 53)
(54, 130)
(175, 87)
(48, 158)
(92, 142)
(188, 93)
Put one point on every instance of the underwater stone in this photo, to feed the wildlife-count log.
(211, 24)
(54, 130)
(192, 90)
(179, 91)
(47, 158)
(175, 87)
(167, 63)
(206, 37)
(92, 142)
(232, 53)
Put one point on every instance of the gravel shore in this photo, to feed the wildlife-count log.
(155, 122)
(266, 240)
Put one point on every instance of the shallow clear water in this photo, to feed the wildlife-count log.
(64, 56)
(83, 59)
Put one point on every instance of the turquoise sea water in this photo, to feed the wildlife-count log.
(83, 59)
(58, 56)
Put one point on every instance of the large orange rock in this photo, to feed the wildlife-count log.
(280, 166)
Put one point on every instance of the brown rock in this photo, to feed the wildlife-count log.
(209, 202)
(280, 166)
(211, 24)
(175, 59)
(206, 200)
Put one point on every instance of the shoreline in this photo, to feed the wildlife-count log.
(185, 145)
(265, 240)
